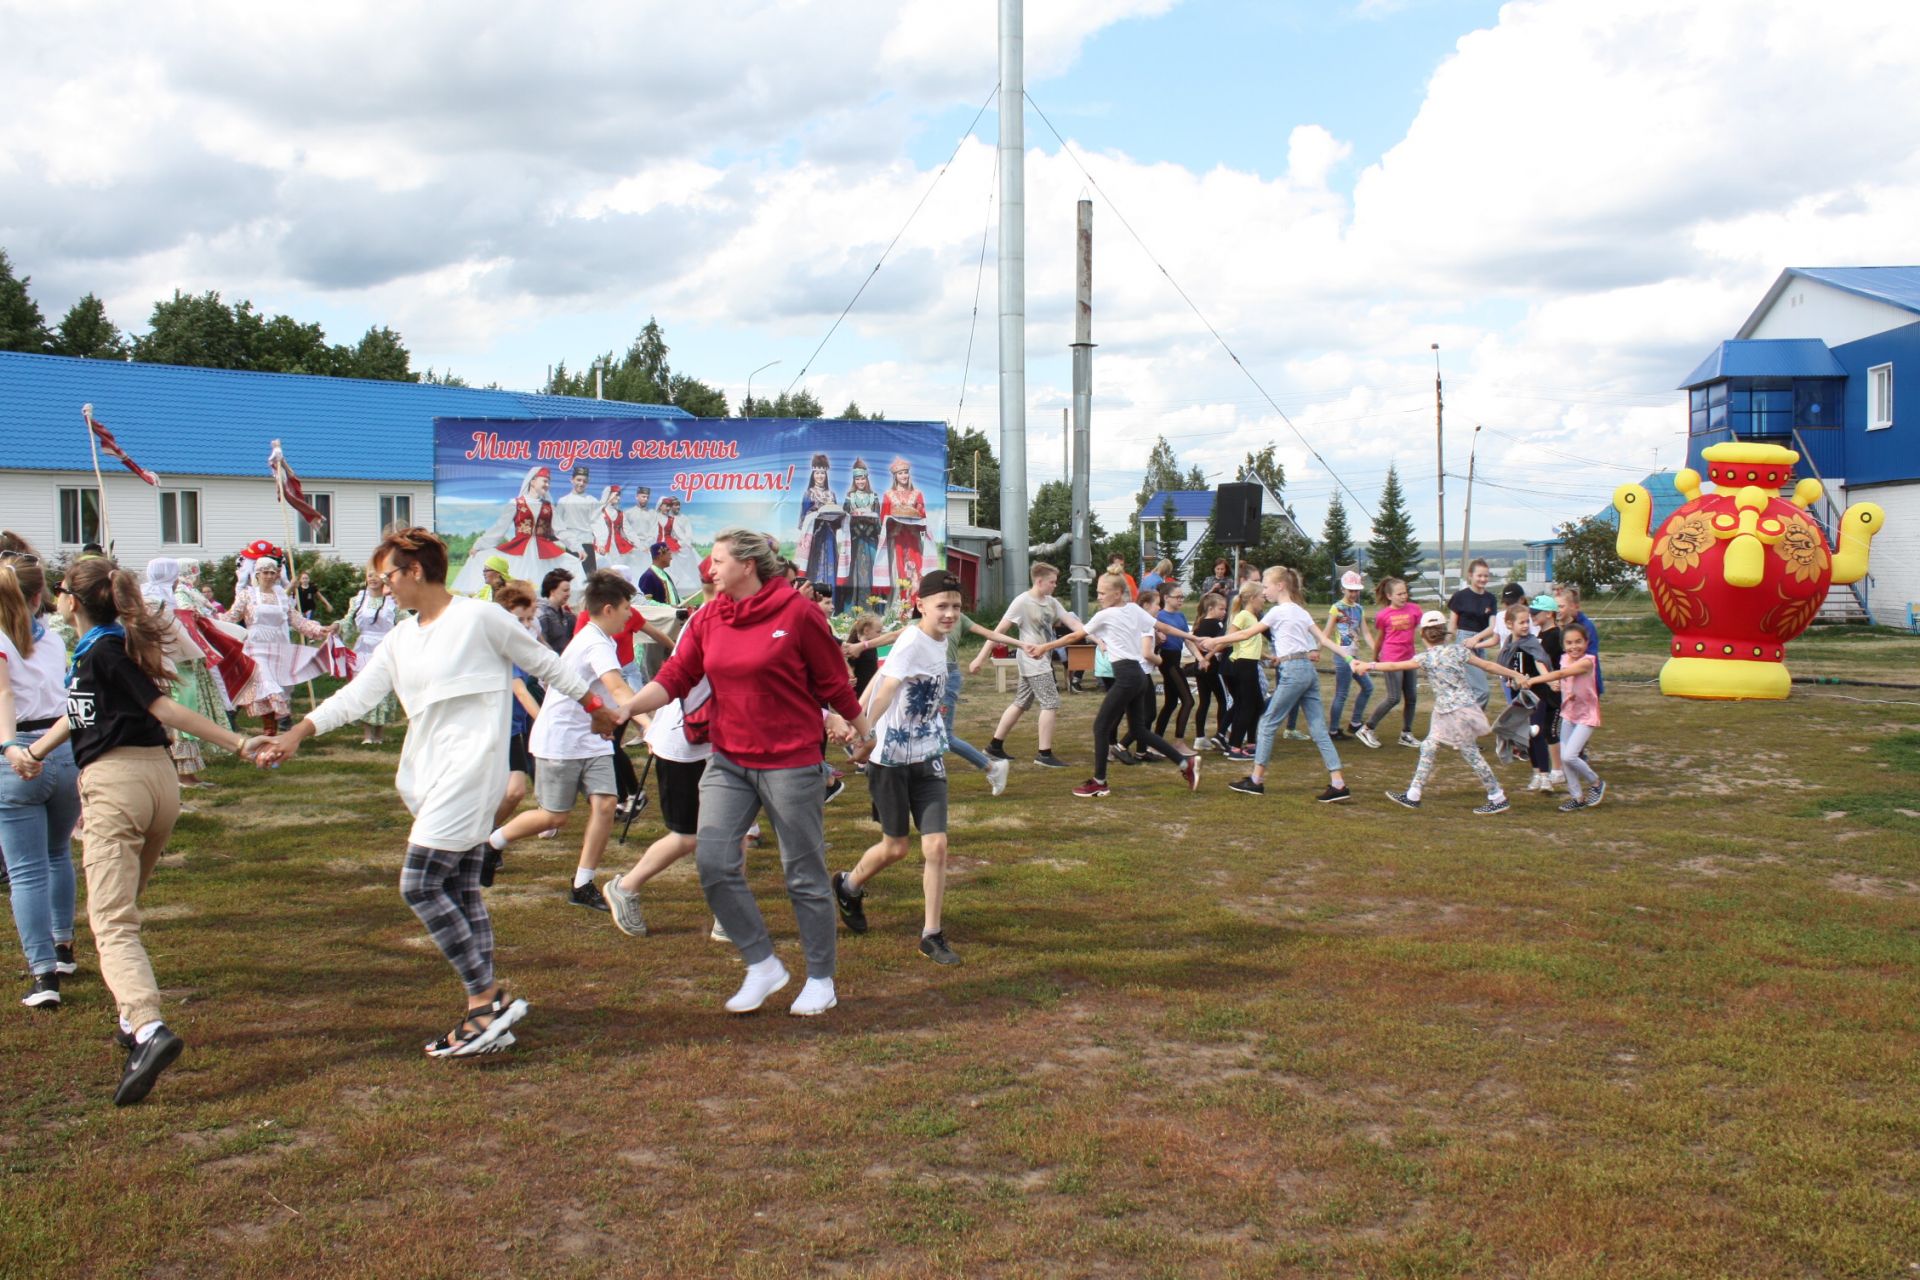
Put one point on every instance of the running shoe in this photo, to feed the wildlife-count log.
(1247, 786)
(997, 771)
(1492, 807)
(588, 895)
(834, 788)
(1333, 795)
(44, 993)
(1594, 795)
(853, 906)
(145, 1062)
(1092, 787)
(1190, 770)
(1403, 799)
(625, 909)
(1120, 755)
(718, 933)
(1048, 760)
(1353, 730)
(1296, 735)
(1408, 740)
(63, 961)
(1336, 735)
(1367, 737)
(1571, 805)
(934, 947)
(996, 753)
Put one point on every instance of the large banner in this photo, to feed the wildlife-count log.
(859, 505)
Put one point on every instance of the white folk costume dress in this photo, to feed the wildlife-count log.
(576, 522)
(370, 618)
(643, 526)
(279, 664)
(193, 686)
(677, 531)
(524, 535)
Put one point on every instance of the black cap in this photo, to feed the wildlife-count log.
(939, 580)
(1512, 593)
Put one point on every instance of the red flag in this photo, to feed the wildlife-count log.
(290, 488)
(112, 446)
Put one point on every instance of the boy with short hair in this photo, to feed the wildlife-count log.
(570, 759)
(905, 771)
(1035, 613)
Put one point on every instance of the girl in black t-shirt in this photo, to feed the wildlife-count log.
(117, 720)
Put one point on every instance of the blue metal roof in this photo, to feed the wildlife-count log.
(220, 422)
(1188, 504)
(1766, 358)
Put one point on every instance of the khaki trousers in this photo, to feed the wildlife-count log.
(130, 799)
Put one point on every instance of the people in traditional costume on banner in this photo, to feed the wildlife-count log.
(524, 535)
(266, 610)
(643, 526)
(576, 518)
(193, 684)
(903, 520)
(371, 614)
(863, 540)
(822, 522)
(612, 542)
(678, 532)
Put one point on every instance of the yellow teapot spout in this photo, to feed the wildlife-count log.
(1635, 505)
(1858, 528)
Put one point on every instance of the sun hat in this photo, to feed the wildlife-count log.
(499, 564)
(1352, 581)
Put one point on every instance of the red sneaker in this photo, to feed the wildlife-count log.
(1190, 770)
(1092, 787)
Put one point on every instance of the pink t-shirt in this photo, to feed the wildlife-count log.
(1579, 699)
(1396, 626)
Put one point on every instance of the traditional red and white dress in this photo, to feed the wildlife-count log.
(903, 525)
(524, 535)
(611, 542)
(279, 664)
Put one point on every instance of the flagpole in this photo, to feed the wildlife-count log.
(100, 485)
(293, 563)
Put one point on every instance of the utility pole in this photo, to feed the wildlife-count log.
(1440, 457)
(1080, 563)
(1466, 520)
(1012, 265)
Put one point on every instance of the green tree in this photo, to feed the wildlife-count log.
(85, 331)
(1393, 551)
(197, 330)
(962, 449)
(852, 413)
(1336, 539)
(1052, 516)
(798, 404)
(381, 355)
(1588, 556)
(445, 378)
(1266, 468)
(697, 398)
(22, 327)
(1163, 473)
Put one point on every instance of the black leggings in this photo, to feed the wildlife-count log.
(1131, 697)
(1212, 691)
(1177, 694)
(1243, 679)
(1399, 685)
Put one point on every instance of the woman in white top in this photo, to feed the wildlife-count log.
(371, 614)
(37, 814)
(265, 609)
(1295, 639)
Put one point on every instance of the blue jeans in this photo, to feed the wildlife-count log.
(36, 825)
(1343, 679)
(1298, 685)
(959, 746)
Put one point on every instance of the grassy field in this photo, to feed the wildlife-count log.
(1203, 1035)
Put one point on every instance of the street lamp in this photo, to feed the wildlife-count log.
(762, 369)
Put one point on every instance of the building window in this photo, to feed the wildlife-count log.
(396, 512)
(180, 517)
(79, 517)
(323, 536)
(1879, 397)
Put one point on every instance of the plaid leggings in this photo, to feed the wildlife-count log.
(443, 888)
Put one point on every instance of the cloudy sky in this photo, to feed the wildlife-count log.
(1576, 200)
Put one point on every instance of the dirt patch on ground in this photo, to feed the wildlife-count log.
(1871, 886)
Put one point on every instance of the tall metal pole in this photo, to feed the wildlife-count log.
(1440, 456)
(1012, 264)
(1466, 520)
(1080, 570)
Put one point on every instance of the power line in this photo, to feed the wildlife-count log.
(961, 142)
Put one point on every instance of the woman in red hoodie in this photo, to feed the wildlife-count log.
(774, 666)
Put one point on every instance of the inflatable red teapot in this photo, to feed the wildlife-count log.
(1737, 573)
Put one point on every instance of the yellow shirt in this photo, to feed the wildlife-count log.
(1252, 646)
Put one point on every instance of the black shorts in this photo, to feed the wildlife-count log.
(680, 794)
(904, 793)
(519, 760)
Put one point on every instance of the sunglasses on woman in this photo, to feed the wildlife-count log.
(20, 557)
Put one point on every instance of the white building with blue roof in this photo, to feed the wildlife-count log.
(363, 451)
(1817, 368)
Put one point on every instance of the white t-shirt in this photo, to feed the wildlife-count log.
(1290, 629)
(1120, 630)
(1035, 617)
(564, 731)
(911, 729)
(667, 735)
(39, 679)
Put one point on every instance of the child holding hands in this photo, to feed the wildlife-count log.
(1457, 720)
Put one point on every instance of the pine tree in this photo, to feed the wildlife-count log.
(1336, 539)
(22, 327)
(1393, 551)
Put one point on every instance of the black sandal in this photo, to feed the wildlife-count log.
(474, 1037)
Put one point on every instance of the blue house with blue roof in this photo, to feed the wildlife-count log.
(363, 451)
(1817, 368)
(1188, 527)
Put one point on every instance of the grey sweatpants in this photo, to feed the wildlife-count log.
(731, 797)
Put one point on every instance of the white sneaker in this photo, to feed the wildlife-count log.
(1367, 737)
(997, 771)
(1557, 778)
(762, 980)
(815, 998)
(718, 933)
